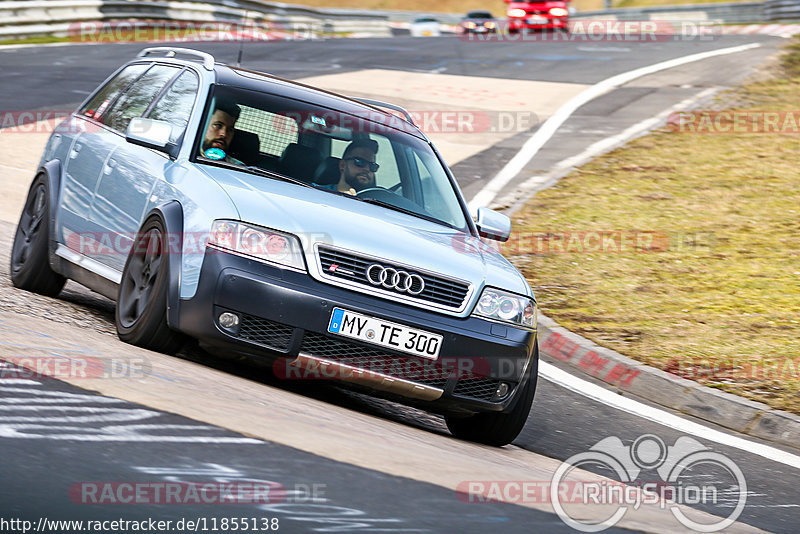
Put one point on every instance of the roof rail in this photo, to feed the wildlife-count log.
(168, 51)
(386, 105)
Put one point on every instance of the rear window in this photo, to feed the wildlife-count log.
(100, 102)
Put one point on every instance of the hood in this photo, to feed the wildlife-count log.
(318, 216)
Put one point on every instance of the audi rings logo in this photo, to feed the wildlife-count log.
(391, 278)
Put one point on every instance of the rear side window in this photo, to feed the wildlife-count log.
(98, 105)
(176, 104)
(275, 131)
(136, 99)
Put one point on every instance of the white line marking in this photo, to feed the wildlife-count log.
(551, 125)
(542, 181)
(19, 382)
(36, 400)
(96, 415)
(610, 398)
(34, 407)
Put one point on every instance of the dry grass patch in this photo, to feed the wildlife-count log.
(721, 303)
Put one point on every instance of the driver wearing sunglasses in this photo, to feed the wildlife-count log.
(357, 167)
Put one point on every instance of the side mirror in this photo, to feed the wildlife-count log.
(493, 225)
(151, 133)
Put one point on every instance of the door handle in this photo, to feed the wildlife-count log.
(74, 152)
(109, 166)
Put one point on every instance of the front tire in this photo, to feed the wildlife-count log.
(498, 429)
(141, 312)
(30, 265)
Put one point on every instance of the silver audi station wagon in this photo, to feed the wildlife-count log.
(276, 220)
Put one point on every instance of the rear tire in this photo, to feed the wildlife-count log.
(30, 265)
(498, 429)
(141, 312)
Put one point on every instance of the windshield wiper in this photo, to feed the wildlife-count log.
(270, 174)
(259, 171)
(403, 210)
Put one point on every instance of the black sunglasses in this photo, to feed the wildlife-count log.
(361, 162)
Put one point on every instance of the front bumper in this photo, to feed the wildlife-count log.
(284, 315)
(550, 24)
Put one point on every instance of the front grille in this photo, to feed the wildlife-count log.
(476, 388)
(410, 368)
(441, 291)
(274, 335)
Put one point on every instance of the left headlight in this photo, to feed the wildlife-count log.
(506, 307)
(261, 243)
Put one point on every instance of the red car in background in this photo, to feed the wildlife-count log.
(553, 14)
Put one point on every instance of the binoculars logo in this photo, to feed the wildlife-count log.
(677, 467)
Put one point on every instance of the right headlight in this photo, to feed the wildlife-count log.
(506, 307)
(264, 244)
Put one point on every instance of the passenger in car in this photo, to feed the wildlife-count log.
(220, 131)
(357, 167)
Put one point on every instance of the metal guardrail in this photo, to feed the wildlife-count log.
(28, 18)
(723, 13)
(726, 13)
(782, 10)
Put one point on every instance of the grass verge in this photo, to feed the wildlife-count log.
(712, 293)
(43, 39)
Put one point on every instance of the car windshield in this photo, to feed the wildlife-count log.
(479, 15)
(367, 156)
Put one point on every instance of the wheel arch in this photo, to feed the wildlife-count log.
(51, 171)
(171, 213)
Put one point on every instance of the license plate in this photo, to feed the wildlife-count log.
(537, 20)
(385, 334)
